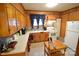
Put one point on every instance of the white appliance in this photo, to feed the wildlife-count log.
(58, 26)
(72, 36)
(53, 27)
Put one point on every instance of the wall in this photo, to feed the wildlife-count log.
(68, 15)
(50, 15)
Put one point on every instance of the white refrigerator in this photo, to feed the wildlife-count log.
(72, 36)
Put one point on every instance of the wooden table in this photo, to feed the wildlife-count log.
(55, 48)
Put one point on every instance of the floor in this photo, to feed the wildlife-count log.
(35, 51)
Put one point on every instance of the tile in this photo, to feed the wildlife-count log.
(37, 49)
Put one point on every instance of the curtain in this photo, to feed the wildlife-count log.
(38, 17)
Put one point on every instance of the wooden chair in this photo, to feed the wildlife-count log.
(50, 51)
(30, 41)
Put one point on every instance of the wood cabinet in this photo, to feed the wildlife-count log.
(18, 16)
(44, 36)
(63, 29)
(19, 7)
(11, 19)
(40, 36)
(64, 19)
(20, 20)
(74, 16)
(36, 37)
(23, 24)
(51, 17)
(4, 31)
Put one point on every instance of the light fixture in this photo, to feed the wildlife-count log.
(51, 4)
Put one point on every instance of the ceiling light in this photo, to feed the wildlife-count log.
(51, 4)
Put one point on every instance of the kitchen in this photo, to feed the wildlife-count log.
(25, 28)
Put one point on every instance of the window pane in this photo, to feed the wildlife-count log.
(35, 22)
(40, 22)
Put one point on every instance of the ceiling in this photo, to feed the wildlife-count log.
(43, 7)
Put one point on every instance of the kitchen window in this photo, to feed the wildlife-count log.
(37, 21)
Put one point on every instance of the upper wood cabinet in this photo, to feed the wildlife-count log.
(63, 29)
(11, 19)
(4, 31)
(18, 17)
(20, 20)
(65, 17)
(52, 16)
(23, 21)
(19, 7)
(74, 15)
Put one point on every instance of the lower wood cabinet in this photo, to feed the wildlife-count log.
(40, 36)
(44, 36)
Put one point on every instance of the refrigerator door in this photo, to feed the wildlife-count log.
(71, 39)
(73, 26)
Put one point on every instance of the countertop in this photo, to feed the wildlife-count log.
(22, 42)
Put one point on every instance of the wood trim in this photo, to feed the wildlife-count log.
(70, 10)
(14, 54)
(22, 6)
(41, 12)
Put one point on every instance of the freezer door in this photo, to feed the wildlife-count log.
(71, 39)
(72, 26)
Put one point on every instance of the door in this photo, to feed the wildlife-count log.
(18, 16)
(73, 26)
(44, 36)
(36, 37)
(11, 18)
(71, 39)
(22, 21)
(4, 30)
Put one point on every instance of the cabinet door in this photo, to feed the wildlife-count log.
(11, 19)
(74, 16)
(18, 16)
(44, 36)
(52, 16)
(64, 19)
(36, 37)
(3, 21)
(63, 29)
(22, 21)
